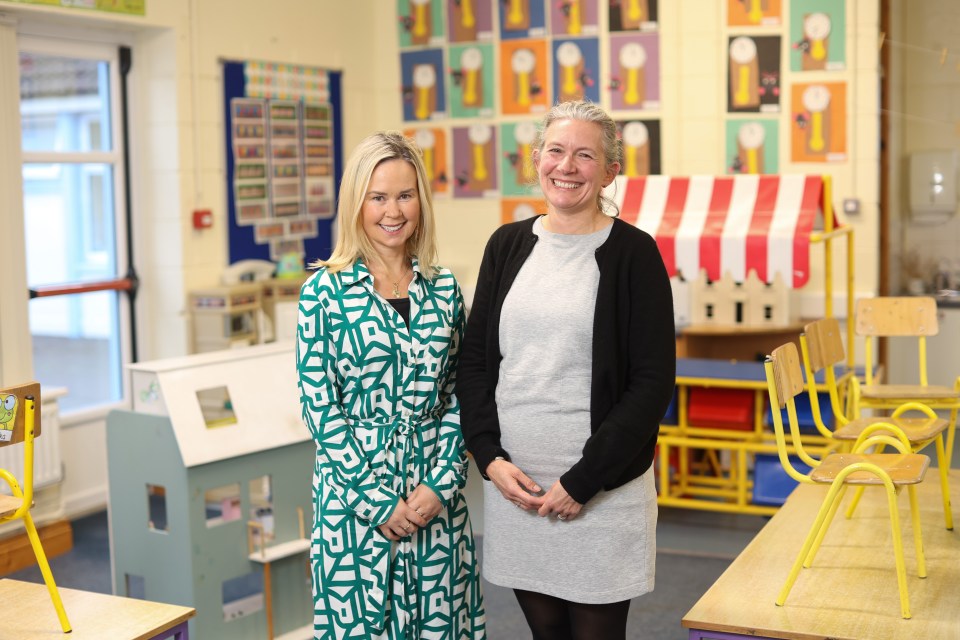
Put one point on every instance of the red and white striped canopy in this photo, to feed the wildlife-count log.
(726, 224)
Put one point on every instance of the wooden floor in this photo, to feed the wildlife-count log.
(850, 592)
(28, 613)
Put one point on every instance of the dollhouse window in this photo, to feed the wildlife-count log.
(136, 586)
(222, 504)
(216, 407)
(157, 508)
(242, 596)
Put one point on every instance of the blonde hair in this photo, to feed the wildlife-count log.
(586, 111)
(352, 241)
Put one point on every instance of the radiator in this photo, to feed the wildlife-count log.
(47, 463)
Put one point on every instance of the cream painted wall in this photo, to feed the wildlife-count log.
(178, 157)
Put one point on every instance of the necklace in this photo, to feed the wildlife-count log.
(396, 285)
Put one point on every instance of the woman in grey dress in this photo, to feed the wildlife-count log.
(567, 366)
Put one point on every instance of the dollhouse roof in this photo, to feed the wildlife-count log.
(727, 224)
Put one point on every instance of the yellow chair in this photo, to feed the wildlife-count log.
(892, 317)
(840, 470)
(18, 423)
(822, 349)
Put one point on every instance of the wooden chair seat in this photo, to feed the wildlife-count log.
(917, 430)
(894, 392)
(903, 468)
(9, 505)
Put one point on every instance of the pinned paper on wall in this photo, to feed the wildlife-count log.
(518, 176)
(420, 23)
(521, 19)
(753, 146)
(632, 15)
(641, 147)
(818, 127)
(523, 77)
(634, 82)
(576, 69)
(753, 71)
(424, 96)
(818, 35)
(471, 81)
(754, 13)
(433, 147)
(574, 17)
(475, 161)
(516, 209)
(470, 20)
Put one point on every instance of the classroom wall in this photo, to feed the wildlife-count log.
(179, 160)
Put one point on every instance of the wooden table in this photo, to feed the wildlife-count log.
(850, 592)
(27, 613)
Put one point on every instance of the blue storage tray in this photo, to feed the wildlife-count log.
(771, 484)
(805, 414)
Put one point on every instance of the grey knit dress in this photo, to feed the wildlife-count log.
(607, 553)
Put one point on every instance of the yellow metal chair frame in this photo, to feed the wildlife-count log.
(15, 427)
(822, 348)
(893, 317)
(840, 470)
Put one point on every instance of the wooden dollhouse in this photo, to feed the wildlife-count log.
(210, 481)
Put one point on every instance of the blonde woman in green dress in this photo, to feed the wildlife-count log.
(392, 552)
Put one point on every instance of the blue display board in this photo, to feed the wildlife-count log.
(284, 150)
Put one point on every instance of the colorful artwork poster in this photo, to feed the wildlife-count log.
(424, 97)
(754, 13)
(818, 40)
(753, 146)
(633, 15)
(433, 146)
(641, 147)
(818, 127)
(522, 19)
(472, 81)
(634, 71)
(470, 20)
(518, 176)
(576, 69)
(574, 17)
(420, 23)
(475, 161)
(753, 64)
(517, 209)
(523, 77)
(130, 7)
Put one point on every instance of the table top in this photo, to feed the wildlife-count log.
(737, 370)
(28, 613)
(850, 592)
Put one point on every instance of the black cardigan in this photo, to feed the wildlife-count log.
(634, 356)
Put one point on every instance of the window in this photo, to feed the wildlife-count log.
(74, 188)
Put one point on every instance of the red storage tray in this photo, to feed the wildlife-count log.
(721, 408)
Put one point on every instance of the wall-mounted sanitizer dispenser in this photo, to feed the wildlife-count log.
(933, 184)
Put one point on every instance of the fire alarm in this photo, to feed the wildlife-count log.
(202, 219)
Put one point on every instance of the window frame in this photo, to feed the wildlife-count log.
(115, 158)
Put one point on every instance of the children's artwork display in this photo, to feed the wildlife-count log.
(818, 131)
(754, 74)
(635, 71)
(641, 147)
(753, 146)
(522, 19)
(818, 35)
(516, 209)
(424, 96)
(420, 22)
(523, 77)
(632, 15)
(433, 145)
(472, 81)
(754, 13)
(283, 158)
(470, 20)
(475, 161)
(574, 18)
(518, 175)
(576, 69)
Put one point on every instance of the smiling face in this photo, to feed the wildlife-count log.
(572, 167)
(391, 207)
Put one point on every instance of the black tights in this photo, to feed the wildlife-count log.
(553, 618)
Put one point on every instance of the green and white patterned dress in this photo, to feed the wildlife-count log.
(378, 399)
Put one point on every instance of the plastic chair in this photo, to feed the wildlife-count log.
(18, 423)
(822, 349)
(840, 470)
(907, 317)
